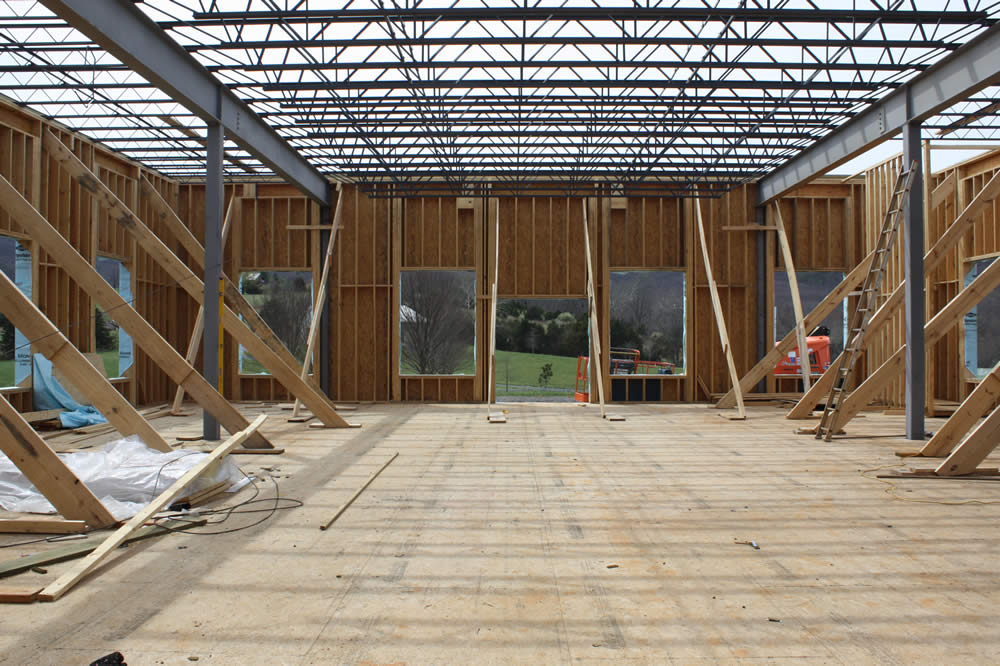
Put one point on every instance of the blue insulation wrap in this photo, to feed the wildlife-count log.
(48, 393)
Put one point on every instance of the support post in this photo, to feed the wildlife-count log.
(793, 285)
(913, 252)
(720, 320)
(326, 240)
(213, 268)
(194, 344)
(318, 304)
(762, 311)
(597, 362)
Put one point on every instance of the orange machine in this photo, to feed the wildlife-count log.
(819, 355)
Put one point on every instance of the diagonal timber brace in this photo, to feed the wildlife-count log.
(934, 330)
(233, 297)
(192, 284)
(90, 381)
(948, 240)
(144, 335)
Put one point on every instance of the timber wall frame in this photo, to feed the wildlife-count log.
(541, 255)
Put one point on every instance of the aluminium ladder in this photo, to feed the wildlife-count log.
(867, 303)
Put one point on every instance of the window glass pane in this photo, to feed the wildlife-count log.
(284, 300)
(437, 322)
(648, 323)
(15, 351)
(539, 341)
(814, 286)
(982, 327)
(113, 344)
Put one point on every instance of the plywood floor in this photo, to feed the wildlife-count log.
(556, 537)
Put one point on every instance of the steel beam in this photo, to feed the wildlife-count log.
(913, 270)
(972, 67)
(213, 268)
(132, 37)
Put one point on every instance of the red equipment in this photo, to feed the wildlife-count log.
(818, 343)
(623, 361)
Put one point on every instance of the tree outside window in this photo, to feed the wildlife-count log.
(284, 300)
(437, 323)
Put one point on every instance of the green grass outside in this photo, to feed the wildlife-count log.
(520, 369)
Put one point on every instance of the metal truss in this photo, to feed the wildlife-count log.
(413, 97)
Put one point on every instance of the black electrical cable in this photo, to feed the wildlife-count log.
(236, 509)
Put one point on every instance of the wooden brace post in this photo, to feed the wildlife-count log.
(720, 319)
(793, 283)
(597, 366)
(63, 584)
(320, 298)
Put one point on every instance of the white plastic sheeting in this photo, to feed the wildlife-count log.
(125, 475)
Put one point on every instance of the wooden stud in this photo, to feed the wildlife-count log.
(343, 507)
(320, 298)
(720, 320)
(18, 595)
(64, 583)
(42, 526)
(793, 283)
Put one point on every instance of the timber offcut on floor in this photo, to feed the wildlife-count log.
(563, 537)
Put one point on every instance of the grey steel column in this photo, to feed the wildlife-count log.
(762, 287)
(913, 249)
(323, 371)
(213, 266)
